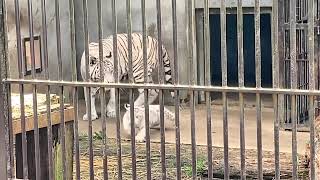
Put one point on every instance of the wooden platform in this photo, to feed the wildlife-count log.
(43, 120)
(56, 169)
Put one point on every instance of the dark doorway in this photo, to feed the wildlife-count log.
(248, 50)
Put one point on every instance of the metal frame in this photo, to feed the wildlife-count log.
(277, 91)
(28, 39)
(200, 28)
(298, 106)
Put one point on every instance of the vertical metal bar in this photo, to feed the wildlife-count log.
(311, 58)
(208, 83)
(257, 43)
(258, 84)
(21, 91)
(176, 92)
(146, 104)
(9, 145)
(7, 134)
(225, 135)
(293, 76)
(3, 148)
(193, 136)
(3, 167)
(223, 20)
(131, 97)
(60, 77)
(75, 90)
(46, 69)
(240, 43)
(102, 92)
(224, 70)
(88, 105)
(11, 172)
(259, 136)
(117, 92)
(241, 84)
(161, 98)
(34, 90)
(192, 82)
(275, 75)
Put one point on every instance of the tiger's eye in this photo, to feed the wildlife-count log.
(93, 61)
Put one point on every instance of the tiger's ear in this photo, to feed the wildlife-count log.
(108, 55)
(127, 106)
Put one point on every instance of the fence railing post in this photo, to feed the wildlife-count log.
(3, 143)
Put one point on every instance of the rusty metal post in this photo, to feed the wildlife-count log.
(3, 116)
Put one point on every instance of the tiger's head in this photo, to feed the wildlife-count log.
(95, 64)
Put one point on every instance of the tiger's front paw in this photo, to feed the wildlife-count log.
(140, 139)
(111, 114)
(94, 116)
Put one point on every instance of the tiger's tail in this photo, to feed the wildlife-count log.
(167, 69)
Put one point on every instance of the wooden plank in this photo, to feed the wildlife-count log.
(44, 152)
(69, 154)
(30, 153)
(43, 122)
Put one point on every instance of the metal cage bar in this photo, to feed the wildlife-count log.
(21, 91)
(102, 93)
(3, 166)
(75, 92)
(275, 80)
(293, 84)
(311, 56)
(47, 76)
(258, 85)
(223, 19)
(131, 96)
(207, 83)
(192, 81)
(88, 92)
(146, 92)
(175, 76)
(161, 93)
(117, 91)
(241, 84)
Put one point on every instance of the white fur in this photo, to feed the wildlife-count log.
(139, 119)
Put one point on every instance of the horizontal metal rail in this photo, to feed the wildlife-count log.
(166, 87)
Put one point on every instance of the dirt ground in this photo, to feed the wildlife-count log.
(186, 161)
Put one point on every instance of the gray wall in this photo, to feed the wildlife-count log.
(52, 40)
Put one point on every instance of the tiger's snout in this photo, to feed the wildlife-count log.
(95, 79)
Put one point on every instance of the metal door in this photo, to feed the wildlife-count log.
(301, 106)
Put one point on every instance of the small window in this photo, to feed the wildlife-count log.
(27, 55)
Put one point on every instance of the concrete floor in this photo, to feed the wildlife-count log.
(217, 127)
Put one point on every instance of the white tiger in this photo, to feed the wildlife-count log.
(123, 68)
(139, 119)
